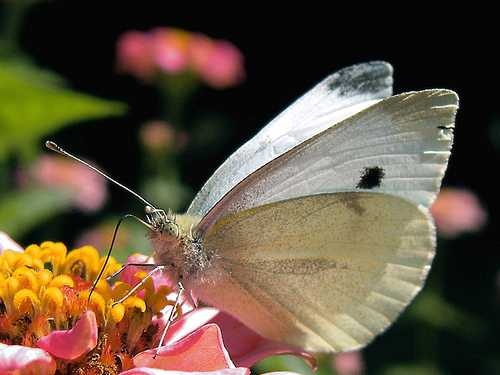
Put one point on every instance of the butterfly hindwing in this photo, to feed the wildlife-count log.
(325, 272)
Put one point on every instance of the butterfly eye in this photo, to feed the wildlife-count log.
(172, 229)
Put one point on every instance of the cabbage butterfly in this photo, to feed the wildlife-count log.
(316, 232)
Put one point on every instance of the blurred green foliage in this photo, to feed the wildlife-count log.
(21, 211)
(36, 103)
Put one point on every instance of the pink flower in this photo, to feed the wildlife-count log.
(88, 188)
(73, 343)
(69, 345)
(245, 346)
(135, 54)
(350, 363)
(219, 63)
(201, 350)
(172, 51)
(457, 211)
(48, 320)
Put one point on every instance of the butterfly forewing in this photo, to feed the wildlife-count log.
(399, 146)
(325, 272)
(335, 98)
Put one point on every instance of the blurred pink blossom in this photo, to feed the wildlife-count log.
(218, 63)
(170, 49)
(349, 363)
(158, 135)
(88, 188)
(134, 54)
(457, 211)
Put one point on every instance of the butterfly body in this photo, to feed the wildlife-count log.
(180, 251)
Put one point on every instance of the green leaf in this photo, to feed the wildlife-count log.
(35, 103)
(23, 210)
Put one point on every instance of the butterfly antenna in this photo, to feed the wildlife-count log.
(54, 147)
(108, 255)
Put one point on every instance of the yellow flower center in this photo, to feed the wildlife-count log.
(46, 288)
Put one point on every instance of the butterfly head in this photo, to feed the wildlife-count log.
(162, 221)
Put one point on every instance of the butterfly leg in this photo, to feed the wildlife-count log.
(170, 318)
(140, 283)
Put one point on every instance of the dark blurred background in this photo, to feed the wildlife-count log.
(453, 325)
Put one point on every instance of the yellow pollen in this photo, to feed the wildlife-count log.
(87, 259)
(27, 278)
(97, 302)
(26, 302)
(62, 280)
(47, 287)
(53, 299)
(44, 277)
(117, 312)
(134, 302)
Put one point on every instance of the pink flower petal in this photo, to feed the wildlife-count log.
(16, 359)
(245, 346)
(202, 350)
(155, 371)
(129, 277)
(7, 243)
(73, 343)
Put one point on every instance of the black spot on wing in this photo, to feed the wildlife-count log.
(371, 177)
(368, 77)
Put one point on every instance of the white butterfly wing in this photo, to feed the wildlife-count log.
(325, 272)
(335, 98)
(398, 146)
